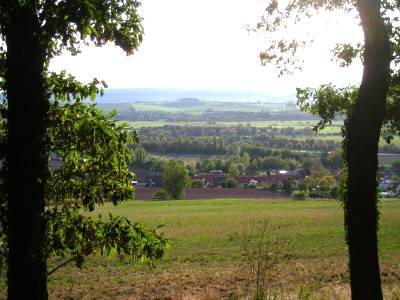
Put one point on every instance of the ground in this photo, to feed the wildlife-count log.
(211, 254)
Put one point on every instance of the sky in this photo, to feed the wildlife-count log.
(204, 44)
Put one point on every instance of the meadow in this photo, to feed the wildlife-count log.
(209, 258)
(197, 107)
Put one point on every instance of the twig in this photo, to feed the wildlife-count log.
(61, 265)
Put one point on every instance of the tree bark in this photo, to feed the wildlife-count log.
(26, 154)
(363, 129)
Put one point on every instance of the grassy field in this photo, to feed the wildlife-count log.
(208, 260)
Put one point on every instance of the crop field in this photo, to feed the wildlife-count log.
(212, 242)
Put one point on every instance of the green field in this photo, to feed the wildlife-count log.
(207, 258)
(193, 108)
(335, 128)
(203, 106)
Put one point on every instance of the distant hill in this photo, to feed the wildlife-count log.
(157, 95)
(186, 95)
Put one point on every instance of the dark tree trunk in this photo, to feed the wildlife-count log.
(26, 157)
(361, 147)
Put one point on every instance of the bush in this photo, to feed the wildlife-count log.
(230, 183)
(249, 186)
(161, 195)
(273, 187)
(299, 195)
(334, 192)
(287, 186)
(314, 194)
(197, 183)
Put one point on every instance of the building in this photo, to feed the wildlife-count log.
(153, 180)
(211, 180)
(260, 179)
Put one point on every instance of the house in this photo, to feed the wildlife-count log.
(289, 173)
(384, 184)
(153, 180)
(338, 173)
(253, 182)
(390, 194)
(260, 179)
(218, 180)
(211, 180)
(216, 172)
(387, 173)
(205, 178)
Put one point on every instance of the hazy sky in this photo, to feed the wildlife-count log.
(204, 44)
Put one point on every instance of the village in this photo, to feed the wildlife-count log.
(282, 182)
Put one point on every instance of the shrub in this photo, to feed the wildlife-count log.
(287, 186)
(273, 187)
(230, 183)
(299, 195)
(161, 195)
(334, 192)
(197, 183)
(314, 194)
(249, 186)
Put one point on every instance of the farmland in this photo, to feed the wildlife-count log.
(194, 106)
(330, 133)
(334, 128)
(179, 139)
(207, 259)
(278, 120)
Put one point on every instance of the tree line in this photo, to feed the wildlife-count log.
(245, 161)
(218, 140)
(212, 116)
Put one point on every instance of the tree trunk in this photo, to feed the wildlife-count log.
(26, 155)
(361, 147)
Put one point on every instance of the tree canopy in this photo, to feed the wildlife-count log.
(91, 150)
(175, 179)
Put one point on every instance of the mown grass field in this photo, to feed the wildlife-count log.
(209, 238)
